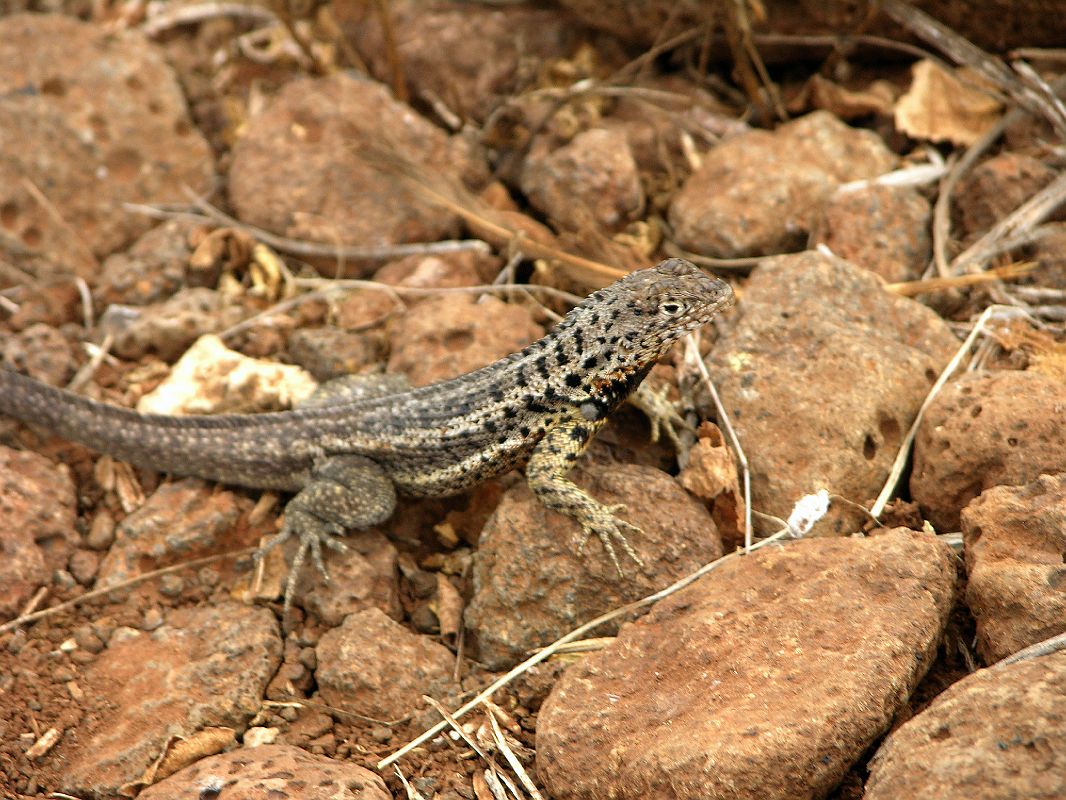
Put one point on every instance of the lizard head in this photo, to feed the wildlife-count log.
(648, 310)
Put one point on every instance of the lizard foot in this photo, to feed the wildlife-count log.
(604, 524)
(662, 414)
(313, 533)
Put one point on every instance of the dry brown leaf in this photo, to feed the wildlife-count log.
(878, 98)
(945, 106)
(448, 606)
(178, 753)
(711, 475)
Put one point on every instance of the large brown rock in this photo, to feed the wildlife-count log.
(373, 666)
(299, 170)
(452, 334)
(468, 57)
(1015, 538)
(767, 678)
(983, 430)
(999, 734)
(823, 375)
(205, 667)
(271, 772)
(884, 229)
(592, 180)
(89, 118)
(531, 585)
(761, 192)
(36, 504)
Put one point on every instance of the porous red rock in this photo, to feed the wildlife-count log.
(452, 334)
(365, 575)
(179, 519)
(373, 666)
(532, 586)
(593, 179)
(90, 118)
(466, 57)
(37, 504)
(822, 376)
(762, 192)
(998, 734)
(767, 678)
(1015, 538)
(983, 430)
(204, 667)
(271, 772)
(300, 171)
(884, 229)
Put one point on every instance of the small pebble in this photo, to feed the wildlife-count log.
(171, 586)
(309, 658)
(153, 618)
(101, 532)
(62, 579)
(83, 566)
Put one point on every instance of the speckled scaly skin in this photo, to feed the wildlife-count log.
(346, 457)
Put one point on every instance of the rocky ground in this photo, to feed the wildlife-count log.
(188, 193)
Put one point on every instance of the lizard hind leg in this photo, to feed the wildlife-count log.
(344, 492)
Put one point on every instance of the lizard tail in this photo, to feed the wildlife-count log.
(223, 448)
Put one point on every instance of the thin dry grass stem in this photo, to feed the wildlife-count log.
(992, 312)
(147, 576)
(283, 12)
(437, 189)
(574, 635)
(841, 42)
(1044, 648)
(421, 291)
(35, 601)
(333, 710)
(392, 52)
(964, 651)
(913, 175)
(912, 288)
(298, 247)
(325, 288)
(1040, 294)
(1017, 228)
(585, 645)
(511, 758)
(85, 295)
(942, 208)
(692, 354)
(88, 369)
(1053, 54)
(493, 767)
(53, 212)
(1018, 84)
(412, 793)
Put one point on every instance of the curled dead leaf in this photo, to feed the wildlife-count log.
(943, 105)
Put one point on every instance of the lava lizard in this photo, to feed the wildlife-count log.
(346, 459)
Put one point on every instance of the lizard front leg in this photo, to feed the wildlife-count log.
(546, 472)
(344, 492)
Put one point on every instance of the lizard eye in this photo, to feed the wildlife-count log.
(670, 309)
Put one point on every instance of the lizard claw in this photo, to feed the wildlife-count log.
(661, 413)
(312, 533)
(609, 529)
